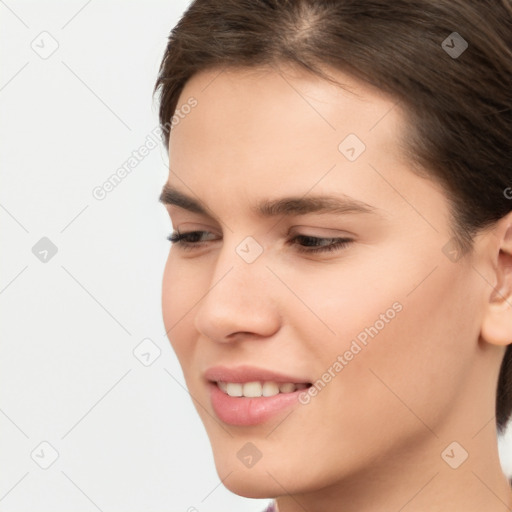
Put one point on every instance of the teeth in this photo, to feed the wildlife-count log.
(235, 389)
(251, 389)
(288, 387)
(270, 389)
(258, 389)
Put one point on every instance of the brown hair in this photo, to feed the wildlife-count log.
(458, 107)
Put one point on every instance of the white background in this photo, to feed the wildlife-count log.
(127, 435)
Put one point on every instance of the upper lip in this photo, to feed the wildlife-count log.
(246, 373)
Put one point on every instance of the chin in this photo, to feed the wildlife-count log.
(259, 481)
(250, 483)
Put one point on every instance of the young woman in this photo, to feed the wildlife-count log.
(339, 287)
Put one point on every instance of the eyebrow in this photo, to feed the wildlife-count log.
(275, 207)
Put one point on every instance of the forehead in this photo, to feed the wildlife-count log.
(263, 133)
(285, 112)
(258, 97)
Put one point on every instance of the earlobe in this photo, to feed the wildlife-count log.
(497, 321)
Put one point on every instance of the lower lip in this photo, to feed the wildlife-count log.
(245, 411)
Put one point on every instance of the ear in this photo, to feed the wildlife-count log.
(497, 321)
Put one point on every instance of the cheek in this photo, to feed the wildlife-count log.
(181, 290)
(405, 355)
(414, 333)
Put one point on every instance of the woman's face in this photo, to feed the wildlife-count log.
(387, 324)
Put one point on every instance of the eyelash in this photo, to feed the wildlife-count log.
(181, 239)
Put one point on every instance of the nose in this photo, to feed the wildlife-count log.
(239, 302)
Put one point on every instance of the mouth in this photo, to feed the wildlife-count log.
(246, 395)
(257, 389)
(253, 403)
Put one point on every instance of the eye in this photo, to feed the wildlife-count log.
(188, 240)
(304, 243)
(314, 244)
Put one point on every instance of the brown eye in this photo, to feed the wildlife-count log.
(314, 245)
